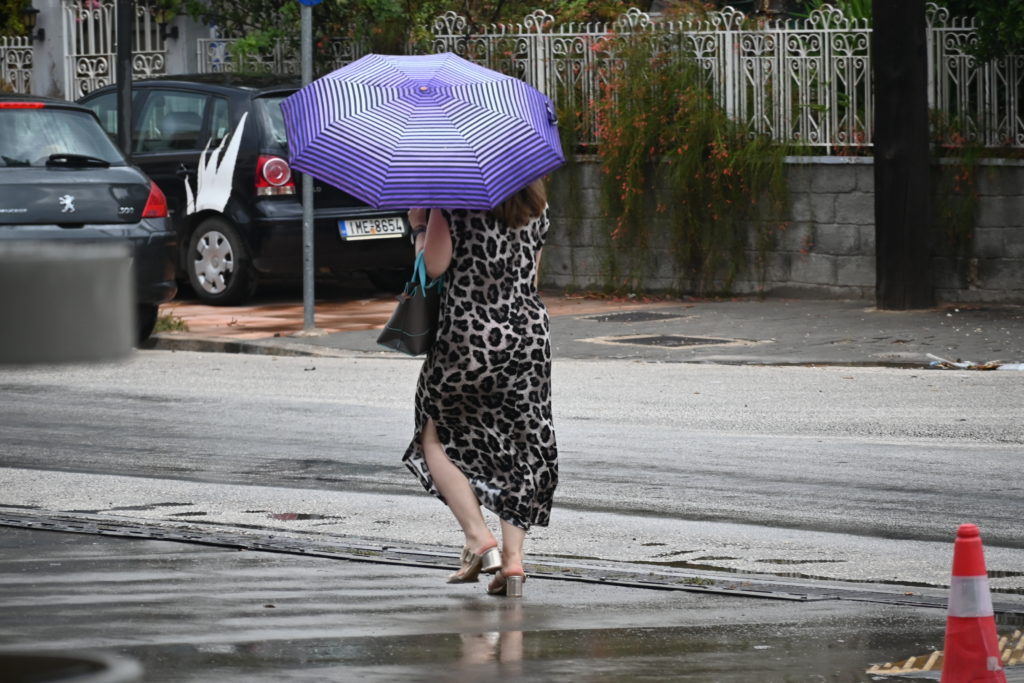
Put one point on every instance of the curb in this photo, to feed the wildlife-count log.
(278, 347)
(259, 347)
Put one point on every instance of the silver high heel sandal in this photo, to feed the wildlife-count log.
(488, 562)
(511, 586)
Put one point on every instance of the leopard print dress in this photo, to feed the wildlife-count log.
(486, 382)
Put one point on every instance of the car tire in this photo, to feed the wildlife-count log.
(145, 321)
(218, 264)
(390, 280)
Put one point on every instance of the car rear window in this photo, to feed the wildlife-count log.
(269, 111)
(29, 136)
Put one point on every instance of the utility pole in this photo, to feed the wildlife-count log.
(903, 204)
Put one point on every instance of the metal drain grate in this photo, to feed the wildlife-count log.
(670, 340)
(632, 317)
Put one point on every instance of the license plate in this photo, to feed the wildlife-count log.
(371, 228)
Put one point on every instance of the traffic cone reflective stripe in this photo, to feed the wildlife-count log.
(972, 647)
(969, 596)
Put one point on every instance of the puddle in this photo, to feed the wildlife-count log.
(298, 516)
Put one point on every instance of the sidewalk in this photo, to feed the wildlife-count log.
(770, 331)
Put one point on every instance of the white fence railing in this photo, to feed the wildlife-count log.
(15, 64)
(215, 56)
(90, 45)
(806, 80)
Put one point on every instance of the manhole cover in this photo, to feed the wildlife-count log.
(670, 340)
(632, 317)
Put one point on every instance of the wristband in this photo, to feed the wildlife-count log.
(416, 230)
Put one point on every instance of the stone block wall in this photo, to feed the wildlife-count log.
(826, 248)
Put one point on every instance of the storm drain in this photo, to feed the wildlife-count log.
(632, 317)
(1011, 648)
(669, 341)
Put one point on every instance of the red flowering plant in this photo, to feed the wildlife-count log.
(671, 157)
(956, 189)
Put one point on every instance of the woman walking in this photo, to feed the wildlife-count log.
(484, 434)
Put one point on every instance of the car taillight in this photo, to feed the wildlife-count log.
(21, 105)
(156, 205)
(273, 176)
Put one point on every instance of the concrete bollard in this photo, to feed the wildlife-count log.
(58, 665)
(65, 302)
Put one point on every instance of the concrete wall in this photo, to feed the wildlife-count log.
(827, 247)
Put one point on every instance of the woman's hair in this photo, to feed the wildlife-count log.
(523, 206)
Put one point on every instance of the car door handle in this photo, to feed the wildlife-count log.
(183, 171)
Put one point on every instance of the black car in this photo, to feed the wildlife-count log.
(216, 145)
(61, 178)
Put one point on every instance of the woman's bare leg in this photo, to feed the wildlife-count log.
(512, 538)
(455, 488)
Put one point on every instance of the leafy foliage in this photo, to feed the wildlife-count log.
(671, 155)
(11, 23)
(1000, 25)
(390, 25)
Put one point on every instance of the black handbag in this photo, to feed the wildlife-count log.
(413, 325)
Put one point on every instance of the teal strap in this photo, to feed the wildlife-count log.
(419, 273)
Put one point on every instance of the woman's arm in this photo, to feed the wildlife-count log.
(435, 242)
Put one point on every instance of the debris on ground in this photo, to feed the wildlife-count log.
(970, 365)
(1012, 648)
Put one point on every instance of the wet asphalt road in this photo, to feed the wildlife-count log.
(801, 473)
(841, 473)
(191, 613)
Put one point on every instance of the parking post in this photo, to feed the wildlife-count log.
(308, 270)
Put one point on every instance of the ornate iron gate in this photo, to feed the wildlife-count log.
(15, 64)
(91, 45)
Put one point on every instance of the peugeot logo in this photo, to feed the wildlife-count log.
(67, 204)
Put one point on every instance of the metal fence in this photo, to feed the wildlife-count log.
(804, 80)
(15, 64)
(91, 45)
(215, 56)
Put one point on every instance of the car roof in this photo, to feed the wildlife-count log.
(254, 84)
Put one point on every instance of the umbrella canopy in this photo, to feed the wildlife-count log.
(422, 131)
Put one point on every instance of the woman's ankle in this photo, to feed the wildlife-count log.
(511, 561)
(481, 541)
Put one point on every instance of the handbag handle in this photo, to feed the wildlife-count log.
(419, 273)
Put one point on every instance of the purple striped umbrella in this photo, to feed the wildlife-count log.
(422, 131)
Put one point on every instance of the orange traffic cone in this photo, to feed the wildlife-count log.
(972, 647)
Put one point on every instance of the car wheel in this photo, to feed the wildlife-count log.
(218, 264)
(145, 321)
(391, 280)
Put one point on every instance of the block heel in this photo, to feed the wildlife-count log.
(490, 561)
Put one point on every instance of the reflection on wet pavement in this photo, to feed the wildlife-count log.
(196, 613)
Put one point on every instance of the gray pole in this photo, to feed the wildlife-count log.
(123, 31)
(308, 273)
